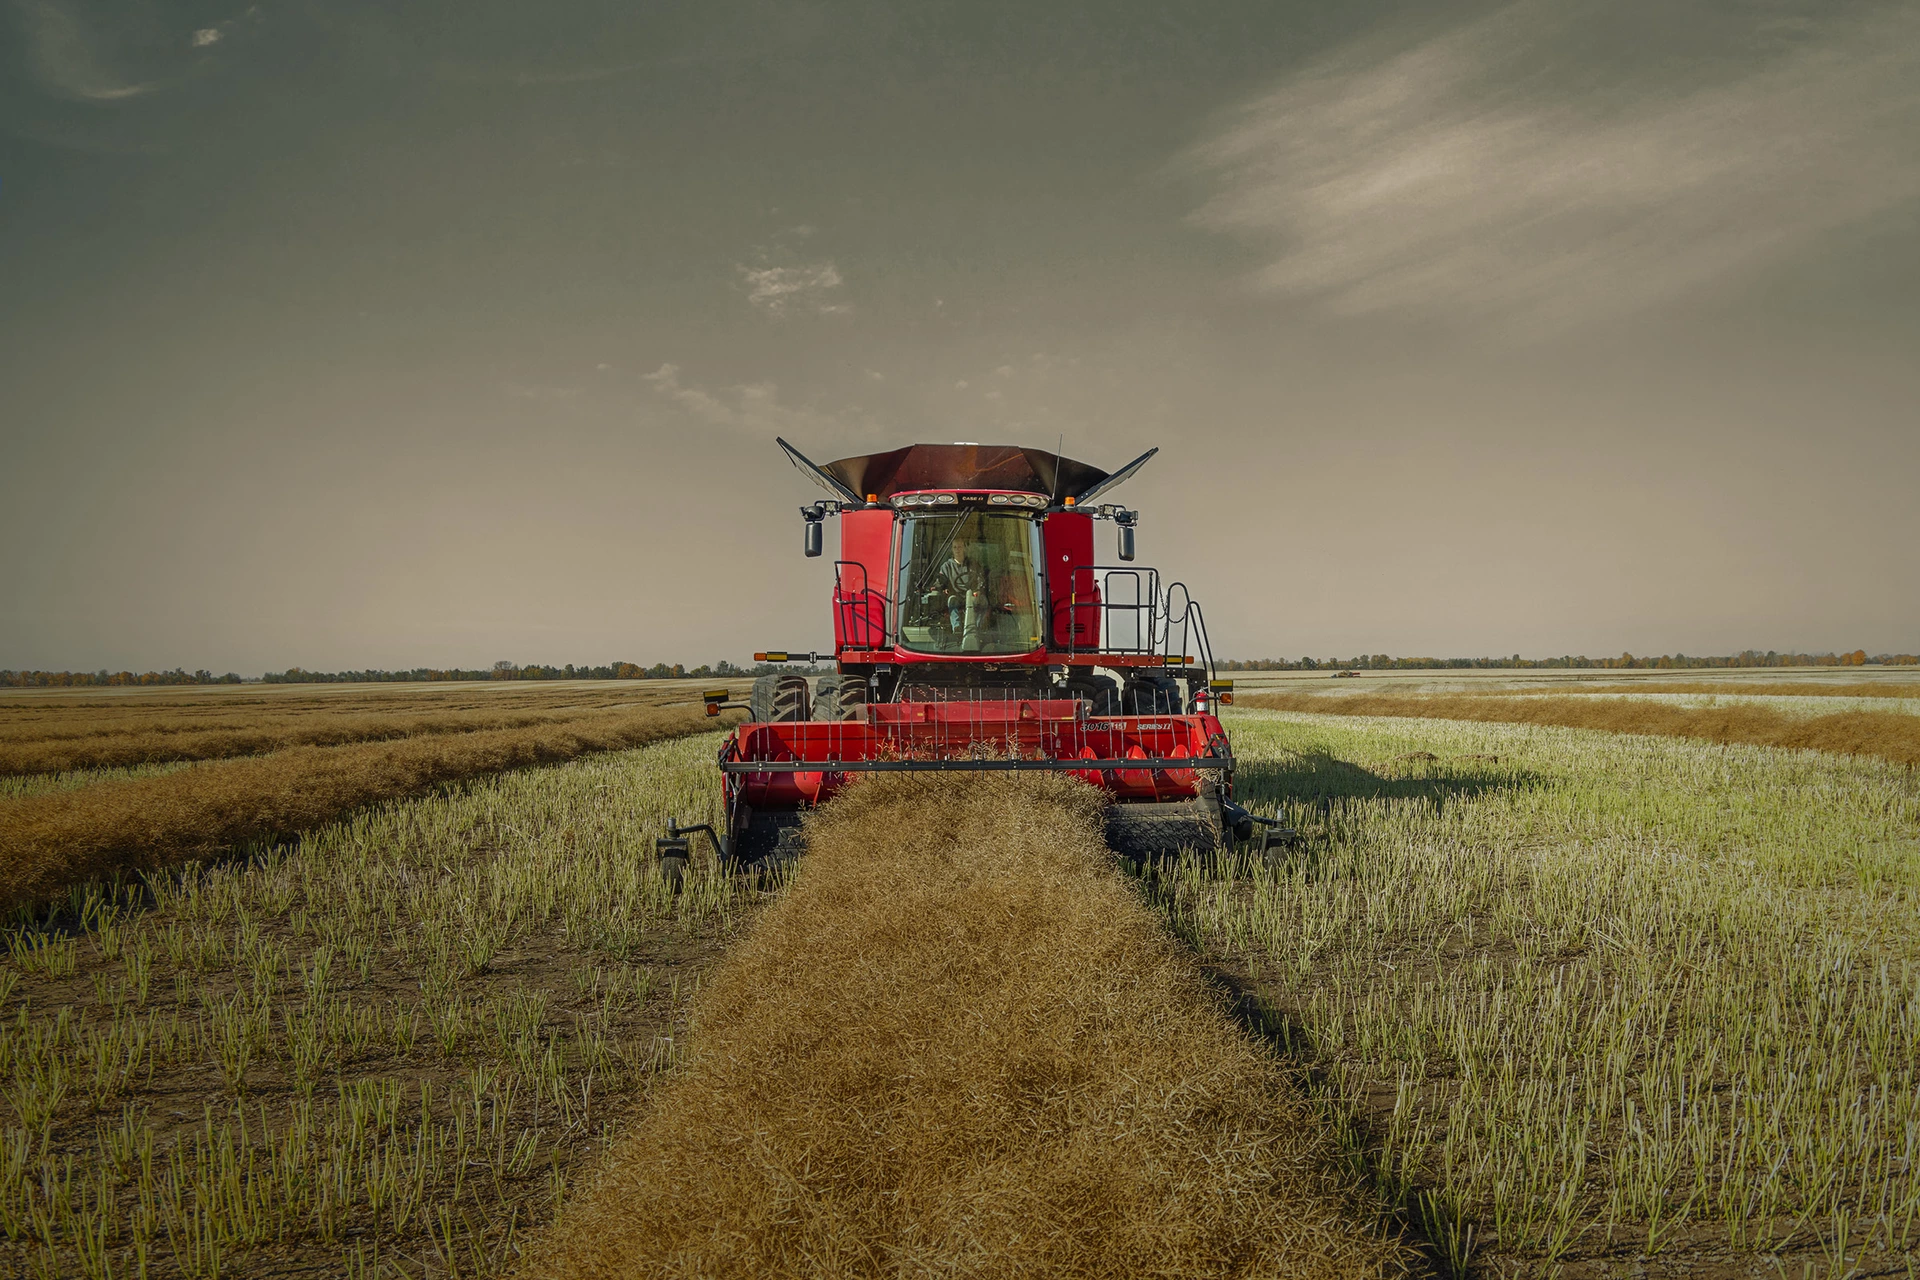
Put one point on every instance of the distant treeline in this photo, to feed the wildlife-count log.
(514, 671)
(296, 675)
(71, 679)
(1626, 661)
(724, 669)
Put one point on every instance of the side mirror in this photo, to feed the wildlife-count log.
(813, 537)
(1126, 542)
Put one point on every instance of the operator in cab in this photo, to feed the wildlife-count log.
(963, 584)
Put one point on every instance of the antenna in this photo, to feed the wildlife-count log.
(1053, 499)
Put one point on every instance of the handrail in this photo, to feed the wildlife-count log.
(1193, 625)
(853, 606)
(1162, 623)
(1146, 630)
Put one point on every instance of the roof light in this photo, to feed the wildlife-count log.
(943, 499)
(999, 499)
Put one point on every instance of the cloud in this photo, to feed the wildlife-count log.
(666, 381)
(1507, 170)
(754, 408)
(206, 36)
(65, 58)
(784, 291)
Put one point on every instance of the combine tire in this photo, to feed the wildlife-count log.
(673, 869)
(1151, 696)
(840, 698)
(1100, 693)
(778, 698)
(1162, 832)
(769, 841)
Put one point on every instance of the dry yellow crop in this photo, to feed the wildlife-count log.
(43, 735)
(962, 1046)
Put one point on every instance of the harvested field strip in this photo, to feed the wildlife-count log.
(1605, 1004)
(962, 1045)
(1908, 689)
(1797, 708)
(1889, 735)
(381, 1051)
(67, 745)
(55, 840)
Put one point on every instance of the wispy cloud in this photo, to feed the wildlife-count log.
(754, 408)
(65, 57)
(782, 291)
(1464, 177)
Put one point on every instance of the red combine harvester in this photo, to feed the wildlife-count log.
(973, 631)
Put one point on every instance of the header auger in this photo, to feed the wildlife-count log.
(974, 631)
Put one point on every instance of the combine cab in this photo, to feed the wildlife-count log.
(973, 631)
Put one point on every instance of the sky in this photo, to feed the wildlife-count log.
(343, 335)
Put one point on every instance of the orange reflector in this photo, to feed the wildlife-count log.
(713, 708)
(1226, 699)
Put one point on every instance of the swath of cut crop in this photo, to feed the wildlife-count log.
(34, 713)
(56, 840)
(962, 1046)
(1888, 735)
(86, 739)
(1907, 689)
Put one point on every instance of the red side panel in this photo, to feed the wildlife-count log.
(860, 580)
(1073, 595)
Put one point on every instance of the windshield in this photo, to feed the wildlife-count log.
(968, 583)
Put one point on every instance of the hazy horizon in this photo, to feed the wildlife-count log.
(339, 337)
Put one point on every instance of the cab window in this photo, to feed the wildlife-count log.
(969, 583)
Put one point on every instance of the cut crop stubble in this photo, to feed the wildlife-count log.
(1889, 735)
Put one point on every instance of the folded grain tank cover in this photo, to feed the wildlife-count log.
(965, 466)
